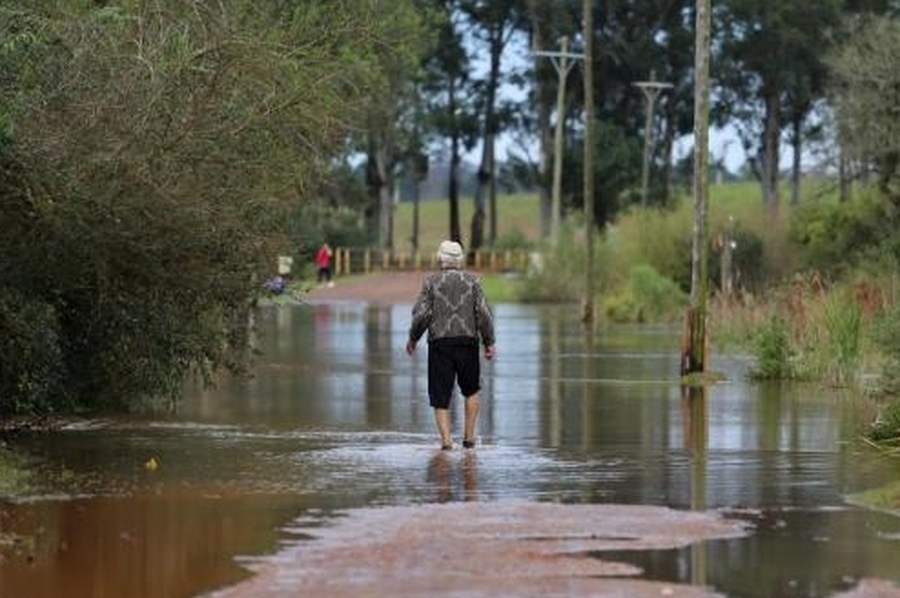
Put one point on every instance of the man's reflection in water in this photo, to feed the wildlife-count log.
(439, 476)
(469, 466)
(453, 478)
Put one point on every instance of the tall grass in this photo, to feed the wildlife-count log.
(808, 330)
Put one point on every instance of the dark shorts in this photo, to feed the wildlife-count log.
(451, 361)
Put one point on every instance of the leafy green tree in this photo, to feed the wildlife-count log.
(769, 74)
(866, 93)
(151, 153)
(495, 22)
(404, 24)
(449, 107)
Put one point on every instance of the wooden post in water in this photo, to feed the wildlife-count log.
(587, 314)
(694, 339)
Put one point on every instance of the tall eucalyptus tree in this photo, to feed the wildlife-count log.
(769, 74)
(385, 144)
(866, 92)
(450, 109)
(494, 22)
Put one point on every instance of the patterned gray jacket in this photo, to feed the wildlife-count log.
(451, 306)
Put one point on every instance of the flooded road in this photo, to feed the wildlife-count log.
(336, 418)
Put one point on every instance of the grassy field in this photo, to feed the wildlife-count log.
(520, 213)
(515, 213)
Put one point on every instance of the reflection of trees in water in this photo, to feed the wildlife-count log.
(378, 365)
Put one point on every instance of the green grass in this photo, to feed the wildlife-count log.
(501, 288)
(516, 212)
(521, 212)
(886, 498)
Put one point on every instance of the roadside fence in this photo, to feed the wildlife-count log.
(364, 260)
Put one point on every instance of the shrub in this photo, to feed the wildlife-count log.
(31, 371)
(772, 350)
(887, 338)
(513, 239)
(888, 426)
(647, 296)
(557, 274)
(832, 236)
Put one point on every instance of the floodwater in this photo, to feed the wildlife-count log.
(336, 418)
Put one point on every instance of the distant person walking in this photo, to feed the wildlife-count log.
(452, 308)
(323, 263)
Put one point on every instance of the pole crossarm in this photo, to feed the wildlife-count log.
(652, 88)
(560, 60)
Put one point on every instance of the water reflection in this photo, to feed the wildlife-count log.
(337, 416)
(453, 478)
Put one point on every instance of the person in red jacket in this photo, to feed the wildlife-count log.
(323, 263)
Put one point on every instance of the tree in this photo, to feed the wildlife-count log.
(385, 146)
(540, 29)
(450, 111)
(866, 92)
(152, 151)
(494, 23)
(762, 94)
(633, 39)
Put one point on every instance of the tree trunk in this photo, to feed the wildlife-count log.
(386, 199)
(844, 175)
(492, 125)
(666, 149)
(453, 183)
(374, 184)
(771, 153)
(453, 189)
(485, 185)
(796, 164)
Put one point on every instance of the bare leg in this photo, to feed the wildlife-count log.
(442, 418)
(472, 407)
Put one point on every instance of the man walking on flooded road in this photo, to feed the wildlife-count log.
(452, 308)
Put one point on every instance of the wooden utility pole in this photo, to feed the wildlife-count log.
(694, 341)
(563, 62)
(651, 89)
(587, 315)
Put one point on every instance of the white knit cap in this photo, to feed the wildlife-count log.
(450, 253)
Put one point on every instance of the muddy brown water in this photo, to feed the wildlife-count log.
(232, 494)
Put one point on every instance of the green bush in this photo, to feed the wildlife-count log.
(557, 274)
(647, 296)
(772, 350)
(832, 236)
(888, 426)
(887, 338)
(513, 239)
(31, 368)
